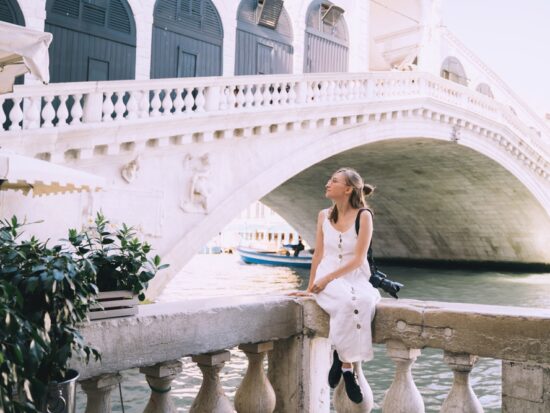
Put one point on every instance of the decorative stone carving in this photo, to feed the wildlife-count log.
(403, 395)
(461, 398)
(160, 377)
(343, 404)
(211, 397)
(196, 199)
(455, 133)
(98, 392)
(255, 394)
(129, 171)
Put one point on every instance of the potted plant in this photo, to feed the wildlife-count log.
(123, 267)
(45, 292)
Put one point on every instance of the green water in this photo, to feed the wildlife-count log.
(221, 275)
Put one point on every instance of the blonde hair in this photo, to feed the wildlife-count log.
(358, 196)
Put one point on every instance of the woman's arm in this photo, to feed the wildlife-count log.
(318, 254)
(363, 241)
(316, 259)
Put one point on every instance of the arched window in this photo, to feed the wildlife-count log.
(264, 38)
(485, 89)
(11, 13)
(92, 40)
(453, 70)
(187, 39)
(326, 38)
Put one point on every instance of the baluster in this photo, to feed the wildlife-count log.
(258, 95)
(132, 105)
(98, 392)
(329, 94)
(212, 98)
(267, 94)
(48, 113)
(16, 114)
(108, 107)
(200, 100)
(211, 397)
(316, 92)
(402, 396)
(231, 98)
(189, 100)
(76, 110)
(178, 102)
(120, 107)
(255, 394)
(224, 93)
(144, 104)
(31, 112)
(276, 95)
(283, 94)
(167, 102)
(155, 104)
(249, 96)
(461, 398)
(343, 404)
(160, 377)
(240, 96)
(292, 94)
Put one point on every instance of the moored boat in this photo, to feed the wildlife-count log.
(254, 256)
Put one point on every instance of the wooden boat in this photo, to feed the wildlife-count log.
(254, 256)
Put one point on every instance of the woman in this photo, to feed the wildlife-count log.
(339, 277)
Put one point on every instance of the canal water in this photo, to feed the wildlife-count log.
(222, 275)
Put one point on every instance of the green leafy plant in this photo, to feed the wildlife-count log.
(45, 292)
(120, 259)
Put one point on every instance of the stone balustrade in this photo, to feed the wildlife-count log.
(73, 106)
(292, 332)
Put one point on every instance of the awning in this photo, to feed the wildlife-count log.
(21, 173)
(22, 50)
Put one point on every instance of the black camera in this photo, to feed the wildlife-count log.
(380, 280)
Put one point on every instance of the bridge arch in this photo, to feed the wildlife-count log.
(510, 222)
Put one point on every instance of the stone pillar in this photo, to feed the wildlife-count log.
(160, 377)
(402, 396)
(343, 404)
(298, 371)
(255, 394)
(211, 398)
(461, 398)
(525, 387)
(98, 392)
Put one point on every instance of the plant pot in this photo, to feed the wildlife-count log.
(113, 304)
(62, 395)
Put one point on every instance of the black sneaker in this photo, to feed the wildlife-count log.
(335, 372)
(352, 388)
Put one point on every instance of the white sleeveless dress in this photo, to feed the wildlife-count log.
(350, 300)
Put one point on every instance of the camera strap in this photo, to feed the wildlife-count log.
(370, 257)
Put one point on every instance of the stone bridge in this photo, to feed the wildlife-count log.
(459, 176)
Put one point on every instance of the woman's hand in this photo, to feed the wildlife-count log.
(306, 293)
(320, 285)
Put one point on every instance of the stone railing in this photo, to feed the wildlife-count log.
(293, 335)
(72, 105)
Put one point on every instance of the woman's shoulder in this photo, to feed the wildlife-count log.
(323, 213)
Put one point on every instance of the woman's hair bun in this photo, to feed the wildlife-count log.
(368, 189)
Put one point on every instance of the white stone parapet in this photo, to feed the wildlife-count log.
(297, 361)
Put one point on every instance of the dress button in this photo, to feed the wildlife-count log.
(353, 298)
(358, 326)
(356, 311)
(340, 256)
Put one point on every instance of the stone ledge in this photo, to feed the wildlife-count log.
(169, 331)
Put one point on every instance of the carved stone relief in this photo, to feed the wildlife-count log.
(195, 199)
(130, 171)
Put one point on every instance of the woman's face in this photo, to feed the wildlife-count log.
(336, 187)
